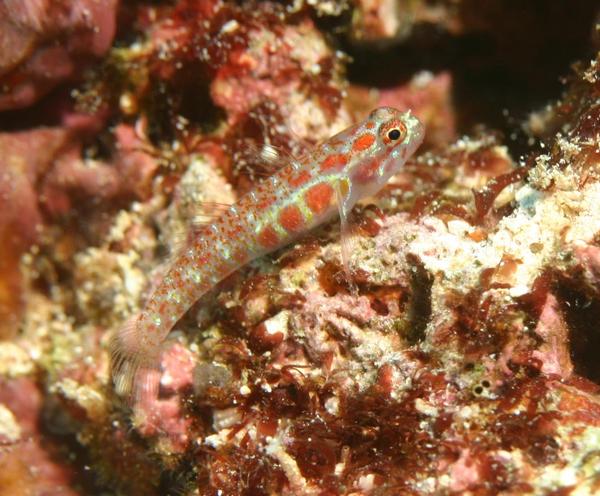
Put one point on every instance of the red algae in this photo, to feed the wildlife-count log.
(484, 198)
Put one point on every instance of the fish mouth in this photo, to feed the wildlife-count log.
(416, 129)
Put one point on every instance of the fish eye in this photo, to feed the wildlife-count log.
(393, 131)
(394, 134)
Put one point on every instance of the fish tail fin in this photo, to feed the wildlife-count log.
(135, 368)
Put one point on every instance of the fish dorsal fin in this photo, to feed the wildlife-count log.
(262, 160)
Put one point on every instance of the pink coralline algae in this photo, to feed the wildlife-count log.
(27, 464)
(43, 43)
(43, 175)
(456, 353)
(165, 417)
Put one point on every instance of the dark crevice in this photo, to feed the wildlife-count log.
(420, 300)
(582, 313)
(507, 58)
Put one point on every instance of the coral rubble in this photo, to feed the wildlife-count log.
(460, 358)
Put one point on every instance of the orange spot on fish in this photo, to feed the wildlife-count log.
(336, 161)
(223, 267)
(202, 258)
(240, 255)
(264, 201)
(268, 238)
(299, 179)
(370, 125)
(291, 218)
(363, 142)
(318, 197)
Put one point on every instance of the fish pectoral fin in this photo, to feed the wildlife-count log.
(348, 235)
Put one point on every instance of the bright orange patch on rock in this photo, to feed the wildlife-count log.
(363, 142)
(319, 197)
(268, 238)
(291, 218)
(336, 161)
